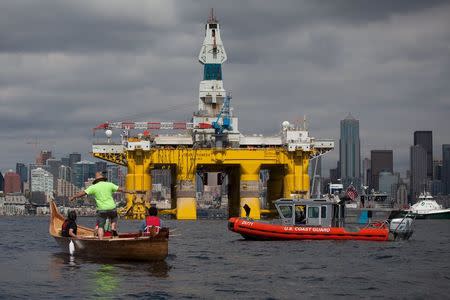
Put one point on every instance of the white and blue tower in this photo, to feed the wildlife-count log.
(212, 93)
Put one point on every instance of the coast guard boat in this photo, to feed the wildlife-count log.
(318, 219)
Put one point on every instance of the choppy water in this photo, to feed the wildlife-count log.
(207, 261)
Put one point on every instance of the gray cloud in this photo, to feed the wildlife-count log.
(67, 66)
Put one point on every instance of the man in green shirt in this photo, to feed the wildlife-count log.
(103, 191)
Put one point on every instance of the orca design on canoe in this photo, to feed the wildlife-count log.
(127, 246)
(317, 219)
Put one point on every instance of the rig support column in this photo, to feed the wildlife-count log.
(138, 179)
(296, 181)
(249, 189)
(186, 201)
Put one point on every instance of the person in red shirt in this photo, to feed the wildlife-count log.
(151, 220)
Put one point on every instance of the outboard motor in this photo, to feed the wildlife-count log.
(401, 228)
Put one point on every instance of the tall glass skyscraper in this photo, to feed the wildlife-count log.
(425, 139)
(350, 152)
(446, 168)
(418, 181)
(380, 161)
(83, 170)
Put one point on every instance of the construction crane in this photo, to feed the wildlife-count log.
(224, 114)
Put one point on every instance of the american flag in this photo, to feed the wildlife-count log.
(351, 192)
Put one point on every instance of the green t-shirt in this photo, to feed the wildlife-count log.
(103, 191)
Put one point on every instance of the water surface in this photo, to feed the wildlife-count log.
(207, 261)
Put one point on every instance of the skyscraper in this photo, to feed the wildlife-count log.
(2, 182)
(446, 168)
(380, 161)
(437, 169)
(54, 165)
(82, 171)
(366, 172)
(349, 152)
(22, 170)
(425, 139)
(65, 161)
(74, 158)
(418, 180)
(65, 173)
(100, 166)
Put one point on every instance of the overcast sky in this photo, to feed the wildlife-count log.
(66, 66)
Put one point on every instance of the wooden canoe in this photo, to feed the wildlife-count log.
(127, 246)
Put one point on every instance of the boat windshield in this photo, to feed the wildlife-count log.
(286, 211)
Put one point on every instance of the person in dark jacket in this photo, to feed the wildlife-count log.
(69, 227)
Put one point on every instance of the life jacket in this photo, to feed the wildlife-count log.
(152, 221)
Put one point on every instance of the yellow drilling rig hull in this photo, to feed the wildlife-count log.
(288, 176)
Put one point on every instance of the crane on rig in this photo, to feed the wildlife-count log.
(223, 115)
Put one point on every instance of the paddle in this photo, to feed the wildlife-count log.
(71, 248)
(247, 210)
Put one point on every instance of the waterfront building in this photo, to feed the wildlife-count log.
(380, 161)
(425, 139)
(82, 171)
(349, 152)
(418, 163)
(446, 168)
(41, 181)
(13, 205)
(12, 183)
(41, 158)
(54, 165)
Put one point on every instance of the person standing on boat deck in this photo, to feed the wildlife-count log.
(103, 191)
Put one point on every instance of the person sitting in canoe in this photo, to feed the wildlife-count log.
(69, 227)
(151, 221)
(103, 191)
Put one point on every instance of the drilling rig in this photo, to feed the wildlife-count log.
(211, 142)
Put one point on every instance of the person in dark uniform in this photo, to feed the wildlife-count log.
(69, 227)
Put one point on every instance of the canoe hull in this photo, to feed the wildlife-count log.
(128, 246)
(265, 231)
(139, 248)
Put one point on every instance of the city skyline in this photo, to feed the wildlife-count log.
(388, 66)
